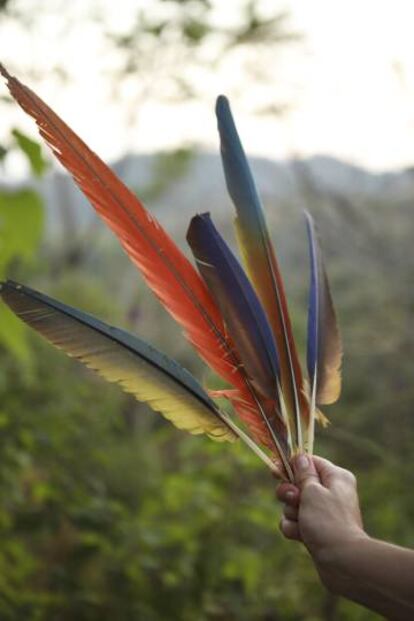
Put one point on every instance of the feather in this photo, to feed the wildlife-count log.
(120, 357)
(324, 349)
(260, 260)
(166, 270)
(243, 315)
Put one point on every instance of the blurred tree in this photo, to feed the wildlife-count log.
(21, 228)
(181, 42)
(160, 51)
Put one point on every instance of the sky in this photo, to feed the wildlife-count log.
(348, 85)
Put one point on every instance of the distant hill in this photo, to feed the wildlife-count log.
(200, 186)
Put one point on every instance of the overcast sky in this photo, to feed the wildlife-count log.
(349, 86)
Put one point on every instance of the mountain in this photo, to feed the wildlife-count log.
(198, 185)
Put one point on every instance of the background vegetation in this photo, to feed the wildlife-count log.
(106, 511)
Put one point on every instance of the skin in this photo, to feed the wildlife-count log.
(322, 511)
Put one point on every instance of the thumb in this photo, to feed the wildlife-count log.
(305, 471)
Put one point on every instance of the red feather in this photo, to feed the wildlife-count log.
(166, 270)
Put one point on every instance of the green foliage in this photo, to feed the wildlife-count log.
(21, 217)
(106, 521)
(21, 229)
(21, 226)
(33, 152)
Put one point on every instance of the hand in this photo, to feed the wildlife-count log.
(322, 510)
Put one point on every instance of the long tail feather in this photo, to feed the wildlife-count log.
(260, 260)
(324, 349)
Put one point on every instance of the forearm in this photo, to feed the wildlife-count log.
(373, 573)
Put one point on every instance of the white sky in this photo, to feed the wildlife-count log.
(350, 86)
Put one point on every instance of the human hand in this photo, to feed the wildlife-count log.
(322, 510)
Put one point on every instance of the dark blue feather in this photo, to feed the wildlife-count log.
(243, 314)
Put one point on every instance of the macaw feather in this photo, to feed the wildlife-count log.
(166, 270)
(120, 357)
(260, 260)
(244, 318)
(324, 348)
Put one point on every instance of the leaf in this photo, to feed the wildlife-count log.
(32, 151)
(21, 225)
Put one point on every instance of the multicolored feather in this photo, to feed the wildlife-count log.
(261, 264)
(324, 349)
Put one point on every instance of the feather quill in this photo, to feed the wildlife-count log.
(324, 349)
(260, 260)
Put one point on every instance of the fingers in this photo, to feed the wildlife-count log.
(288, 494)
(305, 471)
(290, 529)
(291, 513)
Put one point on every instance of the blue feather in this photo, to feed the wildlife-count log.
(261, 263)
(324, 349)
(244, 316)
(239, 178)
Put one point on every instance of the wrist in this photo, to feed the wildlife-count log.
(334, 561)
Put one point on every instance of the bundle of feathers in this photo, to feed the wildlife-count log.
(237, 321)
